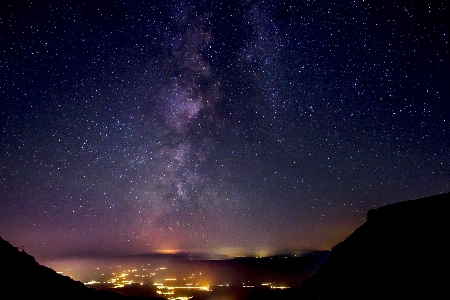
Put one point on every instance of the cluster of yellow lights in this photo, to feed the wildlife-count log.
(169, 288)
(120, 280)
(269, 284)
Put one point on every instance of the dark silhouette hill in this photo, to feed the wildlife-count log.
(401, 251)
(21, 277)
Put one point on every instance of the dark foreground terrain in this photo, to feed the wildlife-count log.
(21, 277)
(400, 252)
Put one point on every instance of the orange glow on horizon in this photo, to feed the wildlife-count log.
(168, 251)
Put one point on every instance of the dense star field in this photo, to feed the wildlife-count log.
(232, 127)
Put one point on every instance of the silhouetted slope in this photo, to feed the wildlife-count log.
(21, 277)
(401, 251)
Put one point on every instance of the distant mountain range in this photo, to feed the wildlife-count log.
(400, 252)
(21, 277)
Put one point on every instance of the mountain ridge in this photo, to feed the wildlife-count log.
(21, 277)
(397, 252)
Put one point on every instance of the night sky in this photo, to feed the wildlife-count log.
(232, 127)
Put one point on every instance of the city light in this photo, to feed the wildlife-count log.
(162, 282)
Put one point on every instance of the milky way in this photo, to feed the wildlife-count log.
(187, 101)
(226, 126)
